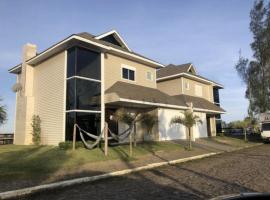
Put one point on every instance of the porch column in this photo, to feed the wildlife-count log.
(102, 122)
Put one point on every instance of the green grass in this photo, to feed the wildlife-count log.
(233, 141)
(22, 162)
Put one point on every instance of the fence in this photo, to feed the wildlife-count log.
(6, 138)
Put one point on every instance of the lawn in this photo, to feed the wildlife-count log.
(235, 141)
(23, 162)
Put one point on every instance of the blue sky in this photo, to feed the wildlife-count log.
(207, 33)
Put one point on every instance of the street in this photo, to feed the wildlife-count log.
(241, 171)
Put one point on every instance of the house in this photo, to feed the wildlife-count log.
(84, 79)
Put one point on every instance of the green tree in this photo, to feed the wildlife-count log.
(129, 118)
(189, 120)
(3, 113)
(256, 72)
(148, 122)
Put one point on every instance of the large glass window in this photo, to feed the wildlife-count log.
(83, 91)
(83, 62)
(70, 104)
(88, 63)
(89, 122)
(87, 95)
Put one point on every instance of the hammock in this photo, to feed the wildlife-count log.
(86, 144)
(98, 138)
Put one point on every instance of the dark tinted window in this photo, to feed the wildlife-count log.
(89, 122)
(125, 73)
(70, 104)
(128, 74)
(88, 63)
(111, 39)
(131, 75)
(216, 95)
(266, 127)
(71, 60)
(88, 95)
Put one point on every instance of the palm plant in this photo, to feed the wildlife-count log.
(126, 117)
(189, 120)
(3, 113)
(148, 122)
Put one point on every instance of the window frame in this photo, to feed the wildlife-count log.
(151, 76)
(129, 68)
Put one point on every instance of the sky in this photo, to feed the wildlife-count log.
(207, 33)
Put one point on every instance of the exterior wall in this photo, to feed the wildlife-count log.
(49, 92)
(177, 86)
(171, 87)
(200, 130)
(113, 71)
(167, 131)
(191, 91)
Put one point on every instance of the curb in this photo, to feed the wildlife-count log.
(62, 184)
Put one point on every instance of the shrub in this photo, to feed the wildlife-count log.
(68, 145)
(36, 132)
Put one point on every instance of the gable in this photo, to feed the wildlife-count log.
(111, 39)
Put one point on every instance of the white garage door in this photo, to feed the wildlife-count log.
(166, 130)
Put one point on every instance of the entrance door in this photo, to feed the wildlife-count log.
(208, 126)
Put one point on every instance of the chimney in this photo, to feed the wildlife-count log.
(29, 51)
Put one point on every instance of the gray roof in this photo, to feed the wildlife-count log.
(91, 37)
(199, 102)
(172, 70)
(141, 93)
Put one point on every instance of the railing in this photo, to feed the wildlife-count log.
(6, 139)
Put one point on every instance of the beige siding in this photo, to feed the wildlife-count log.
(49, 94)
(171, 87)
(113, 71)
(192, 88)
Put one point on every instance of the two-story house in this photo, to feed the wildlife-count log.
(84, 79)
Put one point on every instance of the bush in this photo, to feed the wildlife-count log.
(36, 129)
(68, 145)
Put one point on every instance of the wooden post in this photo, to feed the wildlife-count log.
(134, 136)
(130, 142)
(74, 138)
(106, 138)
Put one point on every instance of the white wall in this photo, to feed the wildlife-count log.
(200, 130)
(166, 130)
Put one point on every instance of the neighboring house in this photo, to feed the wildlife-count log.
(84, 79)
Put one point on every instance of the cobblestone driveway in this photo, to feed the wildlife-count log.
(242, 171)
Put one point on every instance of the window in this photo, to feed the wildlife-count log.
(83, 91)
(83, 62)
(187, 85)
(198, 90)
(89, 122)
(128, 74)
(149, 76)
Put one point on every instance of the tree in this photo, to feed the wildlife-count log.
(148, 122)
(189, 120)
(3, 113)
(255, 73)
(123, 115)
